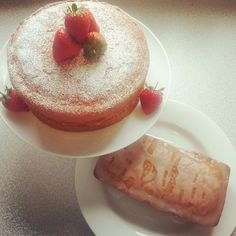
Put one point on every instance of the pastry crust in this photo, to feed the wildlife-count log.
(77, 95)
(188, 184)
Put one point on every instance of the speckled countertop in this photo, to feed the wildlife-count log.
(37, 195)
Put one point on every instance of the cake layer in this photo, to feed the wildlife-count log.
(71, 94)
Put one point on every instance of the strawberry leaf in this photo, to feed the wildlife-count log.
(3, 97)
(154, 88)
(6, 95)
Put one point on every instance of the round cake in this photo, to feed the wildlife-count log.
(76, 95)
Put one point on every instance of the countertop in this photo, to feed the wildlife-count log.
(37, 195)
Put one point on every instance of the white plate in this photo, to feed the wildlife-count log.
(110, 212)
(87, 144)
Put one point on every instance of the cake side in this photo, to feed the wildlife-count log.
(77, 90)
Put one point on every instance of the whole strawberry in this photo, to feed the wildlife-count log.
(94, 46)
(77, 22)
(150, 99)
(12, 101)
(64, 47)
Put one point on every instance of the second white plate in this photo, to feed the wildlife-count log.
(110, 212)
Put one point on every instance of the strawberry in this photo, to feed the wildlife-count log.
(93, 24)
(150, 99)
(77, 22)
(64, 47)
(94, 46)
(12, 101)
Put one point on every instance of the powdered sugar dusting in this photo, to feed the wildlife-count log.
(100, 85)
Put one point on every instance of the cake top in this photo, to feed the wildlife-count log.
(38, 78)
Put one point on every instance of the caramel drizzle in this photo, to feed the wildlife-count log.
(148, 190)
(151, 148)
(129, 182)
(171, 183)
(116, 176)
(164, 178)
(149, 173)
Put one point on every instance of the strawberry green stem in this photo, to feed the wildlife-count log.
(3, 97)
(156, 85)
(74, 9)
(3, 94)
